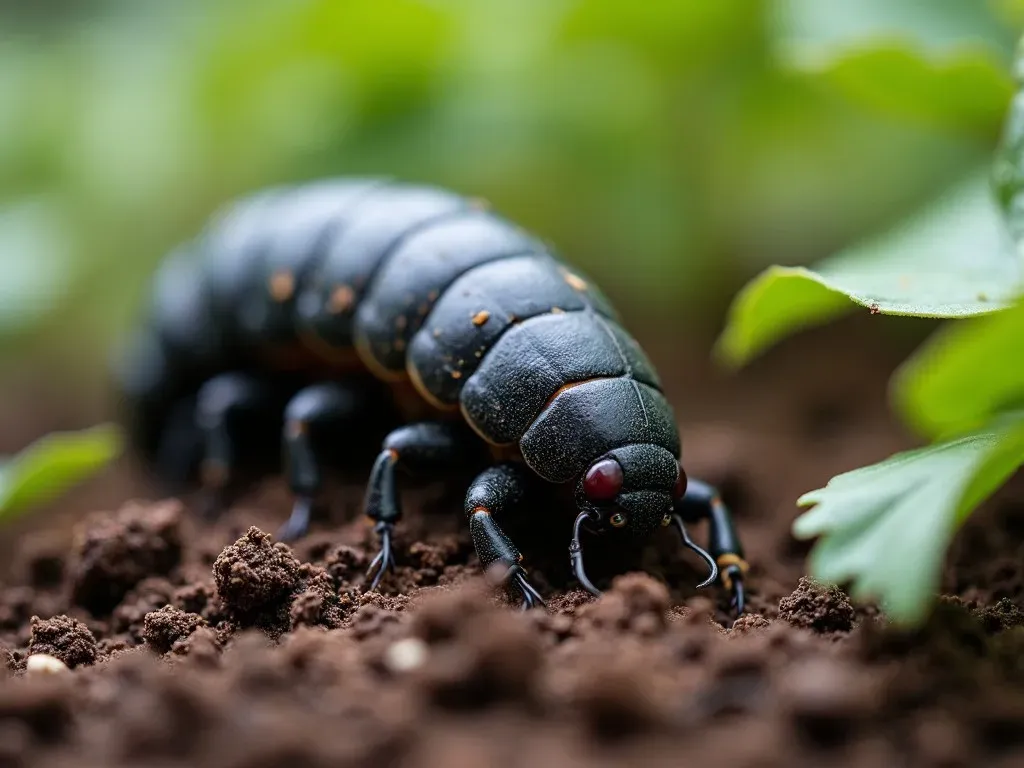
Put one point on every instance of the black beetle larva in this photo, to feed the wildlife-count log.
(295, 304)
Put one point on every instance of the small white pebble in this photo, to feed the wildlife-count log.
(406, 655)
(44, 664)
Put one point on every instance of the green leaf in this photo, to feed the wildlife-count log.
(966, 373)
(953, 259)
(37, 262)
(968, 89)
(53, 464)
(885, 528)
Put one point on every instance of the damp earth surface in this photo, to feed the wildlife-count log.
(134, 632)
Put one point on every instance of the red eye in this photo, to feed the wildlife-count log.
(603, 480)
(680, 487)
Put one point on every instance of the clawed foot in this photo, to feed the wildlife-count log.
(531, 597)
(385, 558)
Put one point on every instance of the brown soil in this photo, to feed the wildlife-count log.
(195, 644)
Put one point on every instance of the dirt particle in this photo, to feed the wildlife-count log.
(481, 317)
(113, 553)
(941, 741)
(345, 564)
(148, 595)
(201, 647)
(440, 614)
(197, 597)
(16, 606)
(254, 573)
(41, 560)
(64, 638)
(826, 699)
(622, 701)
(748, 623)
(1002, 616)
(490, 657)
(636, 602)
(39, 711)
(317, 604)
(818, 607)
(167, 626)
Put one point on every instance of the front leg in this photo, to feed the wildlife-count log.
(425, 448)
(702, 502)
(497, 492)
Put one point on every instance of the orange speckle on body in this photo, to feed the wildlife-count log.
(557, 311)
(576, 282)
(342, 298)
(481, 317)
(456, 374)
(281, 285)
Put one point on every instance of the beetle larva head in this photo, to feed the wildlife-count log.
(632, 488)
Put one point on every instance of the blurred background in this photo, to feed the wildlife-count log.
(670, 148)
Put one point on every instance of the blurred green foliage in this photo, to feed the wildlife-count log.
(670, 148)
(52, 465)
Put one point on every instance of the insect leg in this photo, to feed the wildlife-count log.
(496, 492)
(318, 422)
(702, 502)
(237, 415)
(179, 447)
(426, 447)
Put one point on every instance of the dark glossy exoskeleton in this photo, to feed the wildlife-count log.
(316, 309)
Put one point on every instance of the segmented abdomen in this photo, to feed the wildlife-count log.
(419, 282)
